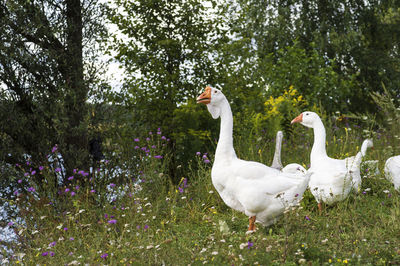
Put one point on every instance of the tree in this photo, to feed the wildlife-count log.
(167, 50)
(46, 73)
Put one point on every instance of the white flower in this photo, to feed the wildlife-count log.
(214, 253)
(386, 191)
(150, 247)
(203, 250)
(243, 245)
(211, 192)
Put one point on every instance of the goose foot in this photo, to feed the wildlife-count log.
(320, 208)
(252, 225)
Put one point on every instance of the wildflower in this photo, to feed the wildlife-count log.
(153, 146)
(104, 256)
(41, 168)
(307, 218)
(113, 221)
(19, 181)
(70, 178)
(92, 191)
(136, 140)
(10, 224)
(77, 187)
(52, 244)
(250, 244)
(180, 190)
(54, 148)
(147, 139)
(33, 172)
(112, 185)
(146, 227)
(386, 191)
(163, 138)
(71, 238)
(26, 174)
(198, 153)
(73, 193)
(137, 147)
(66, 190)
(158, 156)
(45, 254)
(206, 161)
(205, 156)
(58, 169)
(150, 133)
(52, 253)
(65, 228)
(31, 189)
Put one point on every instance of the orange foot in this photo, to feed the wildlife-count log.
(252, 223)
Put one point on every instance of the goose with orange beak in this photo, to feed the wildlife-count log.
(259, 191)
(332, 179)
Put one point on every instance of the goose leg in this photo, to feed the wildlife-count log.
(320, 207)
(252, 225)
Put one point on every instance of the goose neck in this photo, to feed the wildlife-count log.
(318, 150)
(225, 148)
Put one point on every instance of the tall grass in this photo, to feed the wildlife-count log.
(118, 220)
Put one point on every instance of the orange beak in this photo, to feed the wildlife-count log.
(205, 97)
(298, 119)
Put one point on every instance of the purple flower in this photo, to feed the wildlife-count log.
(158, 156)
(307, 218)
(147, 139)
(54, 149)
(146, 227)
(92, 191)
(52, 244)
(77, 187)
(163, 138)
(158, 129)
(206, 161)
(73, 193)
(153, 146)
(364, 192)
(250, 244)
(33, 172)
(70, 178)
(180, 190)
(158, 132)
(80, 172)
(52, 253)
(41, 168)
(44, 254)
(113, 221)
(66, 190)
(26, 174)
(85, 174)
(19, 181)
(137, 147)
(143, 148)
(31, 189)
(138, 227)
(136, 139)
(65, 228)
(71, 238)
(150, 133)
(58, 169)
(205, 156)
(16, 193)
(198, 153)
(104, 256)
(112, 185)
(10, 224)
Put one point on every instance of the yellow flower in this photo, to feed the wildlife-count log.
(330, 261)
(344, 261)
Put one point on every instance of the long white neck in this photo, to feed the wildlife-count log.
(225, 148)
(318, 150)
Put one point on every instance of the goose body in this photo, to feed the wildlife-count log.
(332, 179)
(259, 191)
(392, 171)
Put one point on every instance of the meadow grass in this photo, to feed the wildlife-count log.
(158, 223)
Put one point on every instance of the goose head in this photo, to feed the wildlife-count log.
(212, 98)
(307, 119)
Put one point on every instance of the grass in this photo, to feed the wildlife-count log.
(160, 223)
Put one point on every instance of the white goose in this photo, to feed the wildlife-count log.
(259, 191)
(332, 179)
(276, 162)
(392, 171)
